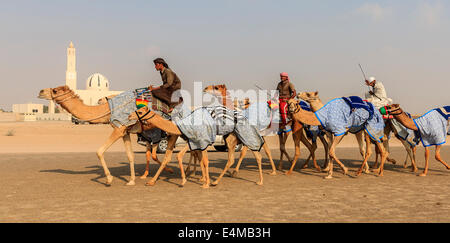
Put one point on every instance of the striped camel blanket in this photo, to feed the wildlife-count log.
(127, 102)
(203, 124)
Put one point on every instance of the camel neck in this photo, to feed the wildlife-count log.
(163, 124)
(406, 121)
(93, 114)
(306, 117)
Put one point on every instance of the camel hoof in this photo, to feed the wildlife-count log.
(345, 171)
(183, 181)
(144, 176)
(393, 161)
(273, 173)
(215, 183)
(130, 183)
(288, 173)
(205, 186)
(259, 183)
(423, 175)
(328, 177)
(318, 169)
(109, 180)
(150, 183)
(234, 173)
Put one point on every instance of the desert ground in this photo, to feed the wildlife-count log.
(49, 172)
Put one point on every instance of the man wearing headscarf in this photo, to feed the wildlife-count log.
(286, 91)
(171, 83)
(377, 96)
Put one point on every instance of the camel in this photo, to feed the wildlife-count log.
(313, 99)
(309, 118)
(298, 136)
(150, 120)
(98, 114)
(410, 123)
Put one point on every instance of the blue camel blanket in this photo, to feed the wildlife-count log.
(203, 124)
(432, 127)
(338, 117)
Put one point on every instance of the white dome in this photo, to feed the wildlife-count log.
(97, 82)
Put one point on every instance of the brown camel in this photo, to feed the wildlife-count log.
(99, 114)
(314, 100)
(409, 123)
(309, 118)
(151, 120)
(221, 92)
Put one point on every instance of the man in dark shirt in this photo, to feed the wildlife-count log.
(286, 91)
(171, 83)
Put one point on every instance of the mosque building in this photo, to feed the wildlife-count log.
(97, 85)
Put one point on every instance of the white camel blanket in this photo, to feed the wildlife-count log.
(203, 124)
(432, 128)
(337, 117)
(260, 115)
(121, 107)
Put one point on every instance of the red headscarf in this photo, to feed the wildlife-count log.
(284, 74)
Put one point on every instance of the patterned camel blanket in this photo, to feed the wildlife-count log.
(203, 124)
(338, 117)
(432, 127)
(127, 102)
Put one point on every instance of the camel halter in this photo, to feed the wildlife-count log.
(397, 109)
(140, 118)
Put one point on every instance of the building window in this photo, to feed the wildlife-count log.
(35, 110)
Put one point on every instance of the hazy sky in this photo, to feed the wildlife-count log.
(404, 43)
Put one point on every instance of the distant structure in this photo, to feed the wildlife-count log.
(97, 87)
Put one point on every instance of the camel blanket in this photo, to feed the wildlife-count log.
(203, 124)
(259, 114)
(403, 133)
(121, 107)
(337, 117)
(432, 128)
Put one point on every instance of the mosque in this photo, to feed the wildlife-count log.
(97, 87)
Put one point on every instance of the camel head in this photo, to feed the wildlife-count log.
(58, 93)
(217, 90)
(308, 96)
(393, 109)
(140, 113)
(293, 106)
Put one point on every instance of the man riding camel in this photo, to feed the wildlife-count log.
(286, 91)
(377, 96)
(171, 84)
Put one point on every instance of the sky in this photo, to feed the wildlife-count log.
(240, 43)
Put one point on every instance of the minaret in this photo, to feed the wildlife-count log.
(71, 73)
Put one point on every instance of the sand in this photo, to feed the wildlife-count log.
(49, 172)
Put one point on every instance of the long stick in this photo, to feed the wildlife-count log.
(366, 79)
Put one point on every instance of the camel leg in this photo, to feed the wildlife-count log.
(333, 156)
(410, 152)
(362, 147)
(438, 156)
(147, 158)
(167, 157)
(115, 135)
(258, 160)
(155, 158)
(326, 149)
(180, 164)
(427, 157)
(269, 155)
(366, 157)
(384, 155)
(130, 155)
(205, 162)
(231, 144)
(241, 157)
